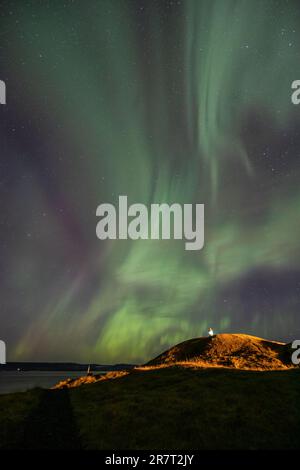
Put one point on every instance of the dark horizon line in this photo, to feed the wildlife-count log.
(62, 366)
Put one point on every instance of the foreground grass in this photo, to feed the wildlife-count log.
(167, 408)
(14, 410)
(180, 408)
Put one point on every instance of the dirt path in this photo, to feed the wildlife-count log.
(51, 425)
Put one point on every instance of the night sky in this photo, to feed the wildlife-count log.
(163, 101)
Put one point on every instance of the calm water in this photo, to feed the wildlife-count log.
(13, 381)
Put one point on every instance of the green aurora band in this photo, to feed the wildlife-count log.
(155, 107)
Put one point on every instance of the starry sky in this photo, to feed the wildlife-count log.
(184, 101)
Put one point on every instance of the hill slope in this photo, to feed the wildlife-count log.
(192, 396)
(228, 350)
(161, 408)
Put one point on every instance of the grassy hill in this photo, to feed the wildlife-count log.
(167, 404)
(229, 350)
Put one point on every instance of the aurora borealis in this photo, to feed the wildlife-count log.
(162, 101)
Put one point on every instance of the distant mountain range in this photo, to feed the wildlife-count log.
(62, 366)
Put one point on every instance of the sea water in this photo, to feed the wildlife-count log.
(20, 381)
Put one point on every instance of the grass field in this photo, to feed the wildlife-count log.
(167, 408)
